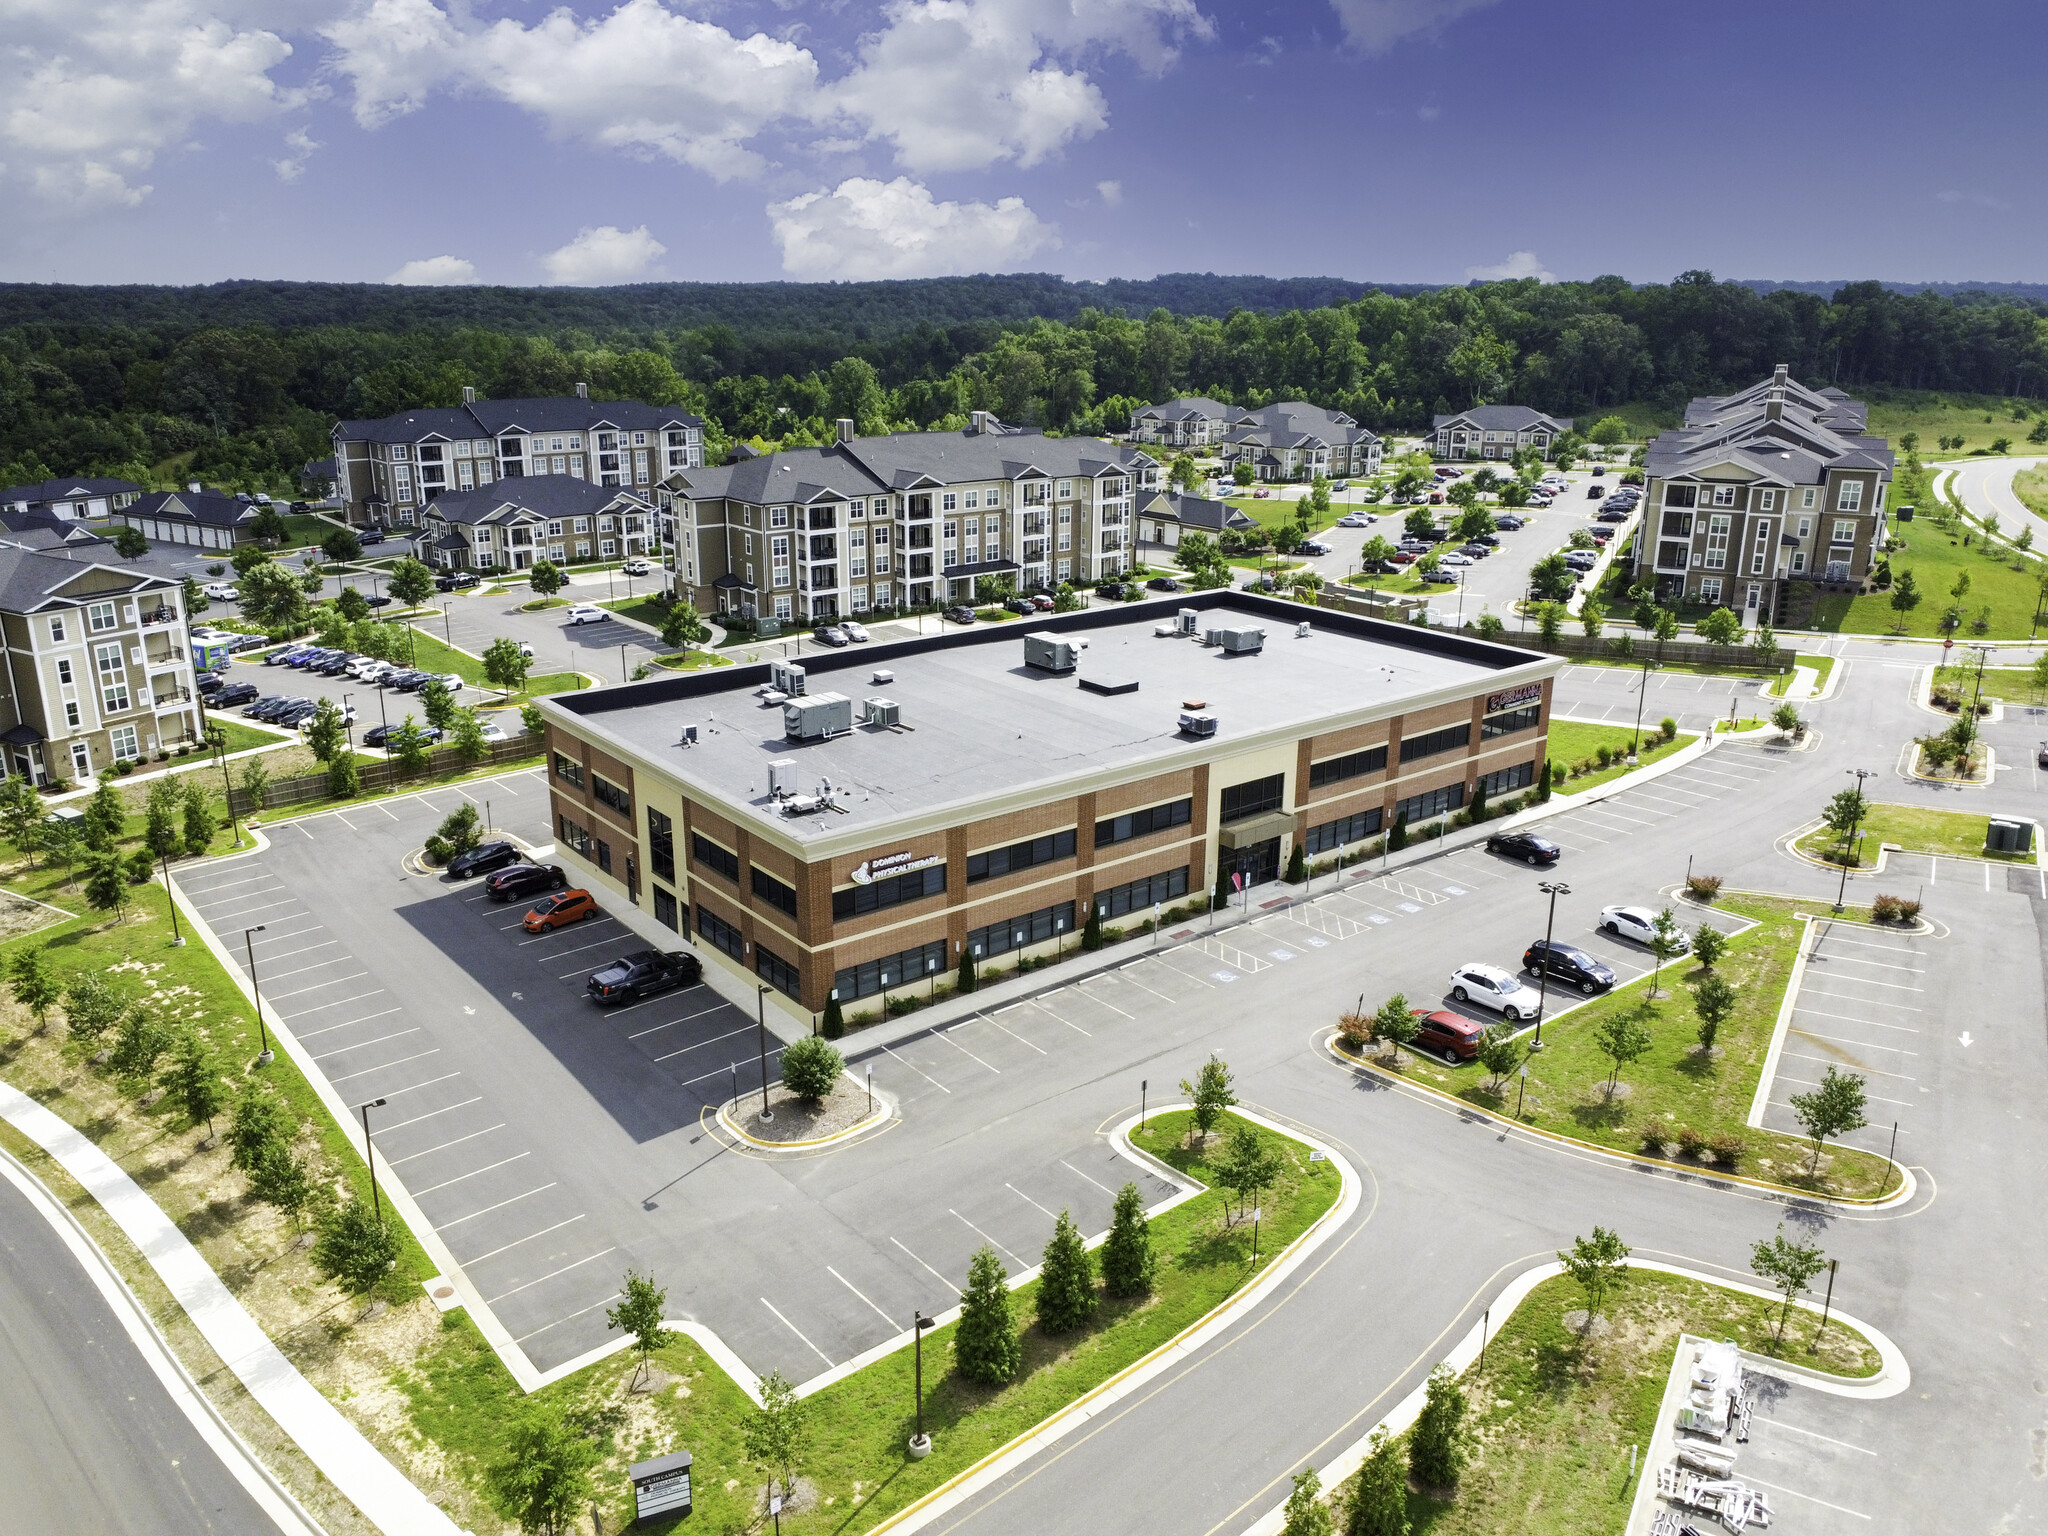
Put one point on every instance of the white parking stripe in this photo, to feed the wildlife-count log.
(328, 1029)
(493, 1301)
(507, 1248)
(885, 1317)
(472, 1216)
(340, 1050)
(792, 1327)
(570, 1318)
(515, 1157)
(672, 1023)
(564, 954)
(1077, 1173)
(416, 1119)
(981, 1234)
(1883, 965)
(920, 1072)
(1077, 1029)
(1019, 1038)
(268, 906)
(1851, 1018)
(392, 1093)
(1013, 1189)
(398, 1063)
(295, 934)
(444, 1146)
(322, 1008)
(1829, 1061)
(208, 890)
(1815, 1434)
(1082, 988)
(302, 969)
(685, 1050)
(1868, 1045)
(1809, 1498)
(1807, 1082)
(1867, 1002)
(322, 986)
(584, 923)
(928, 1269)
(947, 1036)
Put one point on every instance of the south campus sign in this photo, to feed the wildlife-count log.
(1508, 698)
(868, 871)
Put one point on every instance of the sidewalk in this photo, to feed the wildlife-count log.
(334, 1445)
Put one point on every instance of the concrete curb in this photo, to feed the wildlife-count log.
(221, 1437)
(1767, 1078)
(1000, 1463)
(1894, 1375)
(1923, 699)
(884, 1111)
(1908, 1187)
(316, 1426)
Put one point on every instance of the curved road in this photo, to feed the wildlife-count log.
(93, 1441)
(1985, 487)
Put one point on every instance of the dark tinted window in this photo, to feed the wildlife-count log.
(886, 971)
(915, 886)
(778, 972)
(1255, 798)
(1155, 818)
(661, 845)
(721, 935)
(1432, 742)
(1508, 721)
(720, 860)
(1353, 765)
(1137, 895)
(1006, 861)
(1015, 933)
(774, 892)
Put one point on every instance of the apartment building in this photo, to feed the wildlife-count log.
(1293, 440)
(1192, 422)
(1496, 432)
(510, 525)
(195, 516)
(837, 843)
(385, 472)
(1761, 492)
(97, 666)
(907, 519)
(83, 498)
(1162, 517)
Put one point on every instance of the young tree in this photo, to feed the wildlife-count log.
(1379, 1499)
(193, 1080)
(1439, 1445)
(1666, 943)
(105, 816)
(33, 984)
(269, 524)
(1395, 1023)
(1551, 579)
(139, 1042)
(199, 822)
(640, 1312)
(255, 782)
(1714, 1001)
(282, 1178)
(62, 844)
(532, 721)
(160, 830)
(543, 1480)
(437, 704)
(682, 627)
(1622, 1039)
(273, 598)
(1596, 1263)
(106, 881)
(130, 543)
(460, 831)
(1183, 475)
(1550, 622)
(546, 578)
(1709, 944)
(466, 734)
(506, 665)
(327, 732)
(1127, 1251)
(344, 778)
(1210, 1095)
(1306, 1514)
(1786, 718)
(259, 1119)
(1789, 1265)
(985, 1342)
(1500, 1053)
(21, 815)
(1833, 1109)
(411, 582)
(246, 558)
(92, 1006)
(357, 1247)
(1667, 626)
(966, 979)
(811, 1067)
(1721, 627)
(1066, 1279)
(408, 746)
(1591, 616)
(1242, 473)
(1248, 1164)
(1764, 642)
(350, 606)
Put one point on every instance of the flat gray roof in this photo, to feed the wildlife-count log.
(983, 724)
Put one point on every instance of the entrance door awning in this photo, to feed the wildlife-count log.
(1257, 829)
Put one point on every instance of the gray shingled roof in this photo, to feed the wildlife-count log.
(31, 580)
(902, 461)
(1196, 512)
(1798, 447)
(1507, 418)
(214, 508)
(1294, 423)
(487, 418)
(1195, 407)
(541, 495)
(42, 491)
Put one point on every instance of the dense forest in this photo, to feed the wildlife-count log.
(239, 384)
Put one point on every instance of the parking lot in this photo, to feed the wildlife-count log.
(373, 705)
(1690, 698)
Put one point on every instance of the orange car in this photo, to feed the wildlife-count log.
(560, 910)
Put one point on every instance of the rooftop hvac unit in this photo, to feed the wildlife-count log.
(1248, 641)
(880, 711)
(882, 675)
(1195, 722)
(1212, 637)
(1050, 653)
(1302, 630)
(782, 777)
(817, 716)
(1186, 620)
(786, 677)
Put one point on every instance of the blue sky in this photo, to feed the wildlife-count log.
(499, 141)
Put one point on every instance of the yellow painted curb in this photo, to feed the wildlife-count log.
(880, 1115)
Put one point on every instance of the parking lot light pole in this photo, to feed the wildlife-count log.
(1849, 845)
(370, 1156)
(1553, 889)
(348, 719)
(1642, 690)
(218, 740)
(177, 938)
(265, 1056)
(920, 1443)
(761, 1025)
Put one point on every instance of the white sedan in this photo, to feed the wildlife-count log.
(585, 613)
(1357, 520)
(857, 633)
(1491, 987)
(1638, 923)
(1454, 558)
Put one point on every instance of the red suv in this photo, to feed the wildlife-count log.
(1449, 1035)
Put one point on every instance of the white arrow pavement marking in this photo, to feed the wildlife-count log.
(467, 1009)
(1966, 1038)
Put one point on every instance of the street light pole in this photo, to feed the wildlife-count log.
(1642, 691)
(920, 1443)
(1849, 844)
(265, 1056)
(761, 1026)
(370, 1156)
(219, 741)
(1553, 889)
(177, 938)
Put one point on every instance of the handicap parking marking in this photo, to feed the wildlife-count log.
(1281, 954)
(1407, 906)
(1314, 943)
(1454, 890)
(1224, 975)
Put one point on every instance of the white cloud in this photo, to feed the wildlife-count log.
(435, 272)
(606, 254)
(293, 166)
(641, 79)
(1376, 25)
(1981, 199)
(1112, 192)
(865, 228)
(97, 89)
(1518, 264)
(964, 84)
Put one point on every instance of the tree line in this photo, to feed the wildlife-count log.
(240, 387)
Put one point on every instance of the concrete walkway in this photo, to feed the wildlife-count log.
(334, 1445)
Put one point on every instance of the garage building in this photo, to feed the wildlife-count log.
(860, 822)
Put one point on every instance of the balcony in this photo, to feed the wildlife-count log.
(1034, 526)
(153, 617)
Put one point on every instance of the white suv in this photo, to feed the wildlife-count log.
(1491, 987)
(585, 613)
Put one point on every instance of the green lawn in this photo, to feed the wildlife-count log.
(2010, 683)
(1555, 1416)
(540, 603)
(1823, 666)
(1574, 742)
(1673, 1085)
(1892, 413)
(643, 609)
(241, 738)
(460, 1397)
(1915, 829)
(2031, 485)
(693, 661)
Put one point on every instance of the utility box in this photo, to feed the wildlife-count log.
(817, 716)
(881, 711)
(786, 677)
(1247, 641)
(1050, 652)
(1197, 723)
(782, 777)
(2009, 836)
(661, 1486)
(1904, 512)
(1186, 620)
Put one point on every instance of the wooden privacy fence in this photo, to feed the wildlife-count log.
(374, 776)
